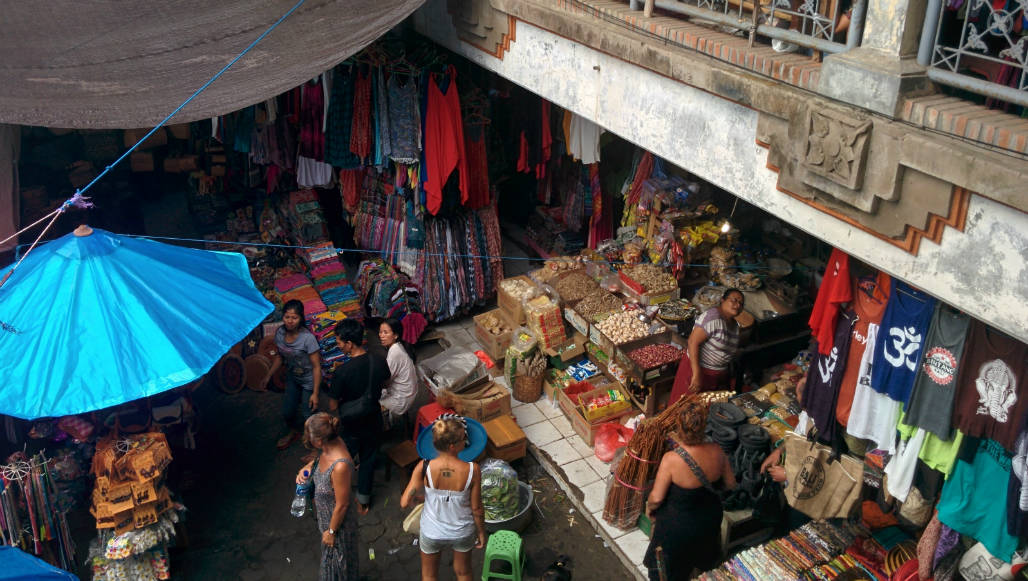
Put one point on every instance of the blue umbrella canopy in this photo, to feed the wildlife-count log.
(17, 565)
(91, 321)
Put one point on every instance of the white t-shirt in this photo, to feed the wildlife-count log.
(402, 388)
(873, 415)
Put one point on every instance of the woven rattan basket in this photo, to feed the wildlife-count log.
(527, 389)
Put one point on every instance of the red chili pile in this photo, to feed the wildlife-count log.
(655, 355)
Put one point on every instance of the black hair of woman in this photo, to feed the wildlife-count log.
(728, 292)
(396, 326)
(295, 307)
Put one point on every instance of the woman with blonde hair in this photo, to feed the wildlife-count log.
(332, 470)
(684, 505)
(453, 516)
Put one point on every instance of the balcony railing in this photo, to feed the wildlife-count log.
(812, 24)
(980, 53)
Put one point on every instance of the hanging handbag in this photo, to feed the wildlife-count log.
(821, 483)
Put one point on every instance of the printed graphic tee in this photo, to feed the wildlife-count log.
(967, 504)
(835, 290)
(869, 309)
(824, 376)
(935, 387)
(901, 340)
(296, 355)
(988, 403)
(874, 415)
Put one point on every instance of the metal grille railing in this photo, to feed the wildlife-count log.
(806, 23)
(981, 53)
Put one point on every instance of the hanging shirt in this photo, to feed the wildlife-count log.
(835, 290)
(968, 503)
(584, 139)
(1017, 487)
(901, 341)
(873, 415)
(935, 387)
(900, 469)
(936, 454)
(869, 306)
(444, 141)
(988, 403)
(824, 376)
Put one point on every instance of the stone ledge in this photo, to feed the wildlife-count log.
(962, 118)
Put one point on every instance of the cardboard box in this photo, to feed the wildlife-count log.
(494, 345)
(584, 428)
(485, 402)
(507, 440)
(510, 305)
(570, 350)
(577, 322)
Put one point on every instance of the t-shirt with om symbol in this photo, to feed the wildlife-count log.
(990, 392)
(901, 338)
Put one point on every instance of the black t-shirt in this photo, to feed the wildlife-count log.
(363, 376)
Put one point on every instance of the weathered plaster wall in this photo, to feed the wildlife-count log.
(983, 270)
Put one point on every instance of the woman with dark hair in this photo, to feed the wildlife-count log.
(683, 505)
(454, 516)
(356, 388)
(297, 349)
(403, 384)
(713, 345)
(332, 470)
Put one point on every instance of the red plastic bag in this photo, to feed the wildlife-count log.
(609, 437)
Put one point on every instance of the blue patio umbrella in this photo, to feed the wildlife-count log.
(94, 319)
(17, 565)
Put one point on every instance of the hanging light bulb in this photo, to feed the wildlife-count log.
(725, 227)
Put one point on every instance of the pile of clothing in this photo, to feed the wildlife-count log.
(387, 292)
(299, 287)
(329, 276)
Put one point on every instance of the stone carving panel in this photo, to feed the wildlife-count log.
(836, 147)
(482, 26)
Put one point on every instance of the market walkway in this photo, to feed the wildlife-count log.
(238, 489)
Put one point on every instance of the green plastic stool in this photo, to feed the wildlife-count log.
(504, 546)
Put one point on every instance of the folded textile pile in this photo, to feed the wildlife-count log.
(330, 281)
(798, 555)
(322, 325)
(304, 213)
(298, 287)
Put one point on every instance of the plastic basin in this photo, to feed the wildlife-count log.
(519, 521)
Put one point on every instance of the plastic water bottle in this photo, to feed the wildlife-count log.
(299, 506)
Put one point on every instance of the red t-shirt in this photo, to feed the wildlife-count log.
(869, 310)
(836, 289)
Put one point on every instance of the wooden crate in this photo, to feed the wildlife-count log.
(510, 305)
(651, 374)
(507, 440)
(494, 345)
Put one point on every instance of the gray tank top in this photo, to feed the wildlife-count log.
(935, 387)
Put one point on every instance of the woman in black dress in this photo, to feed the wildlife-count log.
(684, 506)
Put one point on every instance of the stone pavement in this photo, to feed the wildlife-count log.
(237, 488)
(566, 457)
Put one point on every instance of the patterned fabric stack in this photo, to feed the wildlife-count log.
(330, 281)
(805, 553)
(298, 286)
(322, 326)
(306, 217)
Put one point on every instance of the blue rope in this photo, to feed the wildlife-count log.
(193, 96)
(396, 252)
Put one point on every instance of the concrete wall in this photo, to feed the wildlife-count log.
(983, 270)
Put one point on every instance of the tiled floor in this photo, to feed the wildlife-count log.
(566, 457)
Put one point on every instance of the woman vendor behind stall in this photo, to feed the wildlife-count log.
(402, 387)
(684, 505)
(713, 345)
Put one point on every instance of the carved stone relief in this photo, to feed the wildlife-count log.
(836, 147)
(482, 26)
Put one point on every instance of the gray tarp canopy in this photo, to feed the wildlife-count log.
(122, 64)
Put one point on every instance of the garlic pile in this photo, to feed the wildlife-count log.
(494, 325)
(622, 327)
(517, 288)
